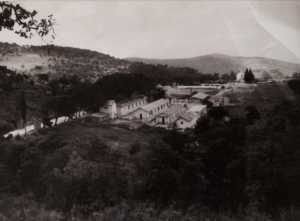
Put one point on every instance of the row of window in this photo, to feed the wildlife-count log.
(157, 109)
(137, 104)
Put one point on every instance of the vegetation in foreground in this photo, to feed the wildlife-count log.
(24, 208)
(246, 168)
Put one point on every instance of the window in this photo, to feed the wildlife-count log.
(181, 122)
(141, 116)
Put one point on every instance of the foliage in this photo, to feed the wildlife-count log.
(252, 114)
(249, 76)
(164, 74)
(296, 75)
(228, 77)
(295, 86)
(24, 208)
(24, 22)
(22, 107)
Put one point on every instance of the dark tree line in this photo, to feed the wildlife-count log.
(10, 80)
(249, 76)
(166, 75)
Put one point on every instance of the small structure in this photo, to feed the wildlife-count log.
(20, 132)
(219, 100)
(199, 97)
(240, 77)
(186, 120)
(199, 109)
(110, 108)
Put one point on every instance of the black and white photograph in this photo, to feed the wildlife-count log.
(149, 110)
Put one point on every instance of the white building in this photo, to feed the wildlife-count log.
(240, 76)
(150, 110)
(186, 120)
(190, 89)
(199, 97)
(199, 109)
(127, 107)
(181, 112)
(167, 118)
(110, 108)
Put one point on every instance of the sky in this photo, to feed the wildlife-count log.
(173, 29)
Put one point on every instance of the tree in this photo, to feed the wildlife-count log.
(228, 77)
(22, 106)
(296, 75)
(249, 76)
(252, 114)
(15, 18)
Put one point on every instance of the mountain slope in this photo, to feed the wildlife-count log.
(219, 63)
(56, 60)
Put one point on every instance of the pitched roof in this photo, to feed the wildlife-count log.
(133, 100)
(197, 108)
(188, 116)
(152, 105)
(178, 92)
(200, 95)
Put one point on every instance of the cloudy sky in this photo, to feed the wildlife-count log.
(174, 29)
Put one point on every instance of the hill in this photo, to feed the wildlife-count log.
(57, 60)
(219, 63)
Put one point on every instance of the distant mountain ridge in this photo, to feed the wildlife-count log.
(57, 60)
(220, 63)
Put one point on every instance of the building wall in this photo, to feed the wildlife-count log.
(160, 108)
(147, 115)
(183, 124)
(179, 100)
(110, 108)
(139, 114)
(131, 106)
(163, 120)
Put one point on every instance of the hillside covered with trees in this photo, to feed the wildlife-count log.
(246, 168)
(56, 61)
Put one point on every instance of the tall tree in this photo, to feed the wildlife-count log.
(249, 76)
(23, 108)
